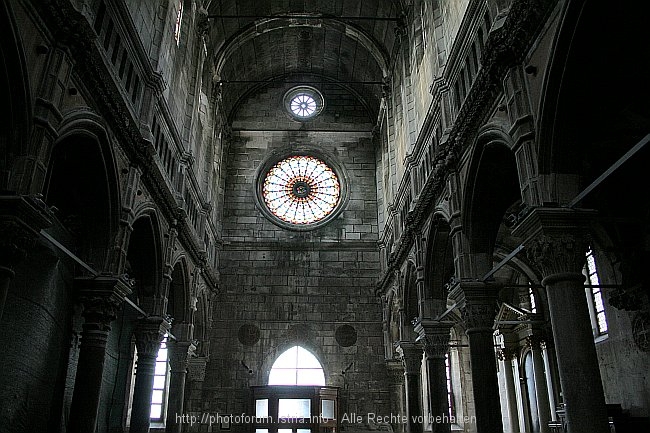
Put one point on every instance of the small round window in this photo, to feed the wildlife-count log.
(303, 102)
(301, 190)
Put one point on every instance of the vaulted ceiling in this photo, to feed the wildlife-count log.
(344, 41)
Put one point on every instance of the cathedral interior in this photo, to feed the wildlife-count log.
(324, 216)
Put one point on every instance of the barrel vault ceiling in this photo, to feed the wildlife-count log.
(344, 41)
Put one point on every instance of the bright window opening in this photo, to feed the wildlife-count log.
(297, 366)
(595, 296)
(303, 102)
(160, 378)
(301, 190)
(531, 296)
(450, 389)
(303, 105)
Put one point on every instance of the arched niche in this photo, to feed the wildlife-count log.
(81, 184)
(144, 260)
(178, 298)
(439, 265)
(492, 188)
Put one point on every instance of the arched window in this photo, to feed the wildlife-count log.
(297, 366)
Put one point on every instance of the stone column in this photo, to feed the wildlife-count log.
(541, 390)
(396, 374)
(478, 314)
(434, 337)
(149, 333)
(555, 240)
(506, 355)
(178, 352)
(21, 218)
(411, 356)
(101, 298)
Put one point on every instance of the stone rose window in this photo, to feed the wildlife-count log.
(301, 190)
(303, 102)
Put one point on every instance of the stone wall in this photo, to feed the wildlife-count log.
(282, 287)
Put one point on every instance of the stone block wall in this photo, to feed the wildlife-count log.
(282, 287)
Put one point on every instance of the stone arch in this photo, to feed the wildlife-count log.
(411, 301)
(144, 258)
(178, 299)
(491, 188)
(439, 264)
(88, 209)
(592, 109)
(16, 96)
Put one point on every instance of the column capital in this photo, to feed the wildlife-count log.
(535, 341)
(478, 303)
(101, 297)
(196, 368)
(411, 356)
(507, 353)
(149, 333)
(178, 354)
(434, 336)
(21, 219)
(556, 240)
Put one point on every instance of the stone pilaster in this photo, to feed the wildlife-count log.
(411, 356)
(434, 337)
(149, 333)
(556, 240)
(21, 218)
(101, 298)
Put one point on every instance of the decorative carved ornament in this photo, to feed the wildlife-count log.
(478, 315)
(557, 254)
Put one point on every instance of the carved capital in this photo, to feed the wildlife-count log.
(411, 356)
(149, 333)
(478, 314)
(196, 368)
(101, 297)
(555, 255)
(395, 372)
(507, 353)
(178, 355)
(21, 219)
(434, 337)
(556, 240)
(535, 342)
